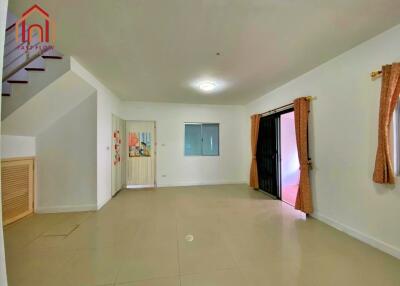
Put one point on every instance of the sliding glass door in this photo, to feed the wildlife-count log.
(277, 157)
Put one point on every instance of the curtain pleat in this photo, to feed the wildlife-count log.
(304, 196)
(390, 91)
(255, 123)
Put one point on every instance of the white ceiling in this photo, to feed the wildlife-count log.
(151, 50)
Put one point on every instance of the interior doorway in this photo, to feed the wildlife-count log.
(277, 157)
(117, 155)
(140, 154)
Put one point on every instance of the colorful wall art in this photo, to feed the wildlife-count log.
(139, 144)
(117, 147)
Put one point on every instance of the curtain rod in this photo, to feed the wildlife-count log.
(276, 110)
(376, 74)
(282, 108)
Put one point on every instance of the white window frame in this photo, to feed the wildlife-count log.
(201, 124)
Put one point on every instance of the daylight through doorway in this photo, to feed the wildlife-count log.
(290, 167)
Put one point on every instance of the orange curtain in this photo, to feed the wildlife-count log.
(304, 197)
(255, 124)
(390, 91)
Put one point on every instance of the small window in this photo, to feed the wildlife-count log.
(201, 139)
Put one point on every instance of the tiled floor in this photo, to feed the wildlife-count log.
(240, 238)
(289, 193)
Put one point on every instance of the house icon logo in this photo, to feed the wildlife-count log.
(41, 33)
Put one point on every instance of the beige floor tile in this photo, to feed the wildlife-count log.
(94, 233)
(38, 267)
(151, 232)
(274, 272)
(21, 233)
(148, 263)
(199, 256)
(240, 237)
(347, 270)
(44, 242)
(231, 277)
(94, 266)
(171, 281)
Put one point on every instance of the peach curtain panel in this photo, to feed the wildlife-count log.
(255, 124)
(390, 91)
(304, 197)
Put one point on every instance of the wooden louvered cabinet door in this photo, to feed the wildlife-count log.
(17, 188)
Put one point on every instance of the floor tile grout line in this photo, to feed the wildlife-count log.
(235, 260)
(177, 247)
(41, 234)
(145, 279)
(121, 263)
(36, 237)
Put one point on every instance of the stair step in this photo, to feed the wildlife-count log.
(20, 77)
(6, 89)
(11, 19)
(52, 54)
(36, 65)
(13, 48)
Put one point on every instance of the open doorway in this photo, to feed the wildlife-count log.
(140, 154)
(277, 157)
(118, 159)
(290, 167)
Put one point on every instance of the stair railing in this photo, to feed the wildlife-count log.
(13, 53)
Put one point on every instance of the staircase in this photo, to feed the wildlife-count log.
(39, 86)
(21, 59)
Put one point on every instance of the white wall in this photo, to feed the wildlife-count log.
(17, 146)
(107, 104)
(3, 17)
(173, 168)
(66, 161)
(343, 141)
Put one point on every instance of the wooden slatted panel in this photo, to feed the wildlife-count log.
(17, 189)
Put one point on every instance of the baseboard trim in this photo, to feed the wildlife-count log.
(139, 186)
(189, 184)
(376, 243)
(65, 209)
(102, 204)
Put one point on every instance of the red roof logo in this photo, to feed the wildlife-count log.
(46, 31)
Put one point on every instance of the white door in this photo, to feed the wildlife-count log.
(140, 163)
(117, 154)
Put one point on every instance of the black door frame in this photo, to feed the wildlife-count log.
(277, 117)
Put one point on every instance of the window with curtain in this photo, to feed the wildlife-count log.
(201, 139)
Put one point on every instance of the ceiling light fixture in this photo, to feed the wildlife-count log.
(207, 86)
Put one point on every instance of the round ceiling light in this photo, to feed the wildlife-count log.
(207, 86)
